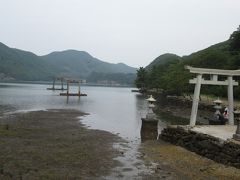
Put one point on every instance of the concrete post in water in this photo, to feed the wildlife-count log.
(62, 82)
(67, 87)
(73, 94)
(79, 87)
(230, 100)
(195, 101)
(53, 87)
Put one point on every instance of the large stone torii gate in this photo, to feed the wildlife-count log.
(214, 73)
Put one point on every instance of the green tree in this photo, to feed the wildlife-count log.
(141, 80)
(154, 77)
(175, 81)
(235, 40)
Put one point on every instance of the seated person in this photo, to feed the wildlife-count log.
(218, 117)
(226, 114)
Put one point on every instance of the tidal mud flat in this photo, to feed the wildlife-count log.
(53, 144)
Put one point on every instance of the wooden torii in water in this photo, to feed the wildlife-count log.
(213, 73)
(73, 94)
(61, 79)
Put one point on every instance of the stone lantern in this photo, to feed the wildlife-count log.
(149, 128)
(217, 105)
(218, 117)
(150, 114)
(236, 136)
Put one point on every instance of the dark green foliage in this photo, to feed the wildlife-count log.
(176, 79)
(235, 40)
(168, 74)
(141, 80)
(154, 77)
(163, 59)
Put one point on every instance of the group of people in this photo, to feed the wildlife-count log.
(223, 117)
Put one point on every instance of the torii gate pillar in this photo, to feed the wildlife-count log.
(230, 101)
(195, 100)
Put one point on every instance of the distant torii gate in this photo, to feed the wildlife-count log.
(214, 73)
(73, 94)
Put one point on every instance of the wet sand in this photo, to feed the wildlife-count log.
(53, 144)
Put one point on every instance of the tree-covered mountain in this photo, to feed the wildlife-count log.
(172, 78)
(163, 59)
(16, 64)
(80, 64)
(21, 65)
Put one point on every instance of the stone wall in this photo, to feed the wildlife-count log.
(226, 152)
(149, 130)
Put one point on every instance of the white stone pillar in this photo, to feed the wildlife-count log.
(195, 100)
(230, 101)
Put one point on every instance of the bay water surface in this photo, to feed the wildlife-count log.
(113, 109)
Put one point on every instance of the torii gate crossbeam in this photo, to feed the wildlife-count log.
(213, 81)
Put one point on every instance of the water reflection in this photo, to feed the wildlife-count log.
(73, 100)
(116, 110)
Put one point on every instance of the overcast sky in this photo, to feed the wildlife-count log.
(129, 31)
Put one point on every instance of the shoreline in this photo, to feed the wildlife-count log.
(54, 144)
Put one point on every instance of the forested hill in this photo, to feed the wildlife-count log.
(163, 59)
(171, 77)
(16, 64)
(21, 65)
(81, 64)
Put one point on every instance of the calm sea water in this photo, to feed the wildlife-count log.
(117, 110)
